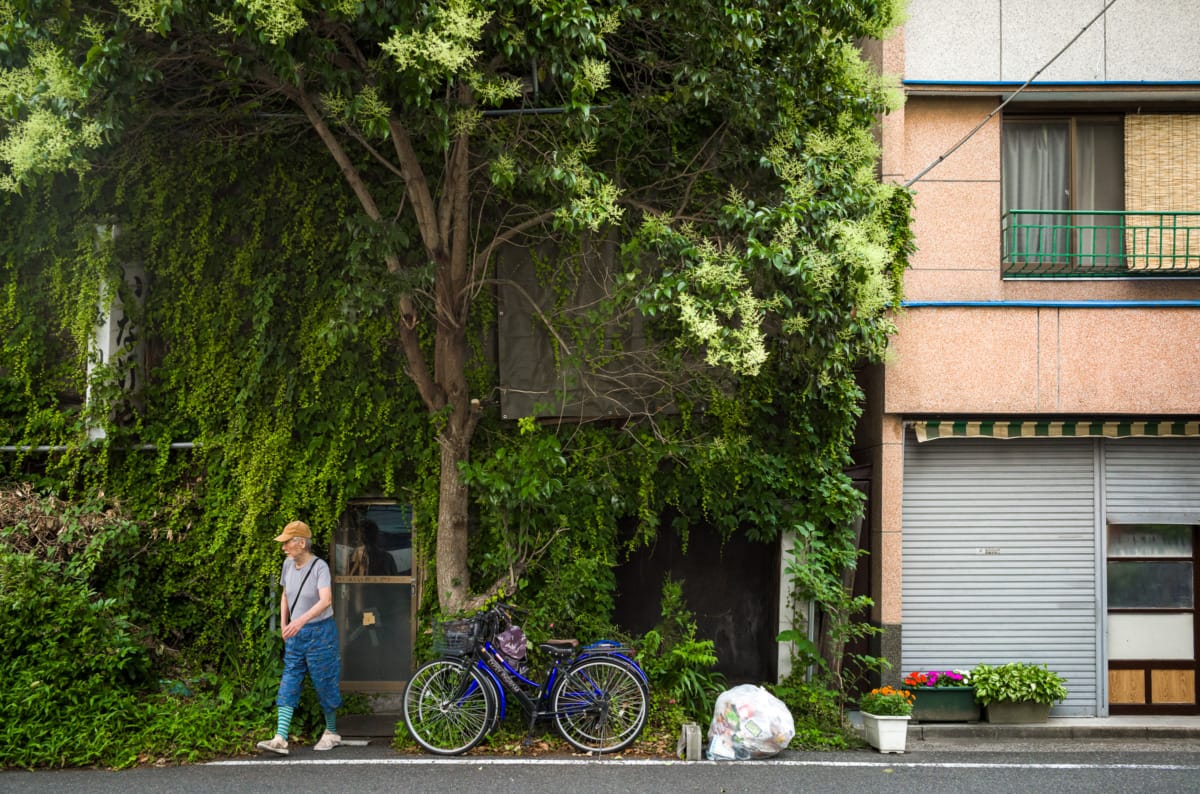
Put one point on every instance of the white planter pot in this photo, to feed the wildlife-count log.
(886, 734)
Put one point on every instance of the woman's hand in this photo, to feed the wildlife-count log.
(292, 629)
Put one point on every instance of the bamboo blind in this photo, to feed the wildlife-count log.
(1162, 166)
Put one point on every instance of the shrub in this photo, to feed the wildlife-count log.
(1018, 682)
(76, 687)
(817, 712)
(680, 666)
(57, 630)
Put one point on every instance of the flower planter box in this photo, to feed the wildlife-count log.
(1008, 712)
(945, 704)
(886, 734)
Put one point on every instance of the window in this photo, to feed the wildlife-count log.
(1150, 567)
(1056, 170)
(549, 294)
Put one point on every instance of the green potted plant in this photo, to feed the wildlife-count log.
(942, 696)
(886, 712)
(1017, 691)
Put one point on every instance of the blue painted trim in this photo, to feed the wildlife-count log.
(1165, 304)
(1073, 83)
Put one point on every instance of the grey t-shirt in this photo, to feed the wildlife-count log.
(290, 581)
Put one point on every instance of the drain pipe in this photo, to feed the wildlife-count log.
(64, 447)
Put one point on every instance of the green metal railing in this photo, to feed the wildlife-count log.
(1099, 244)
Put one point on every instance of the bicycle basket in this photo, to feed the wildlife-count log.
(455, 637)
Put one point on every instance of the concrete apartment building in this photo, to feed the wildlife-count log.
(1034, 438)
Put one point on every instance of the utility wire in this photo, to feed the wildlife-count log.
(1011, 97)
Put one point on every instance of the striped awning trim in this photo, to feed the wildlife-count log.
(933, 429)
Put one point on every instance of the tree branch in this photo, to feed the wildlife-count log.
(417, 186)
(515, 571)
(507, 236)
(418, 369)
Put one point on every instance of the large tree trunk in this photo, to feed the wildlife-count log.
(453, 576)
(451, 293)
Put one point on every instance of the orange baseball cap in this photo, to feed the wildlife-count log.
(296, 529)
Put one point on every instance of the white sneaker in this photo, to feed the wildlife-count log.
(328, 741)
(277, 745)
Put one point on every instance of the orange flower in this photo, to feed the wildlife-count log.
(887, 701)
(887, 690)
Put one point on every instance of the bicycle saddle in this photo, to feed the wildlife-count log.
(559, 648)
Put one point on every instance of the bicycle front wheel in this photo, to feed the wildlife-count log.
(448, 706)
(600, 705)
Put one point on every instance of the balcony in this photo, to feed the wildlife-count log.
(1100, 244)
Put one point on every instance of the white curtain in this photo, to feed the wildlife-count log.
(1036, 175)
(1099, 186)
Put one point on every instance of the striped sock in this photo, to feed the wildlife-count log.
(331, 720)
(285, 721)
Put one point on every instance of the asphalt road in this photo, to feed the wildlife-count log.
(930, 768)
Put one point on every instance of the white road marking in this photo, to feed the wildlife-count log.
(481, 762)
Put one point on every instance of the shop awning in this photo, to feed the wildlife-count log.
(933, 429)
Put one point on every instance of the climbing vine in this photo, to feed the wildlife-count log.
(303, 347)
(242, 322)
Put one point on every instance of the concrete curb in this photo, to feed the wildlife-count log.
(1052, 731)
(1126, 727)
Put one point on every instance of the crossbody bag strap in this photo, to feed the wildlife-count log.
(300, 589)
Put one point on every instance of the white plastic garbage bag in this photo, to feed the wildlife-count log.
(748, 722)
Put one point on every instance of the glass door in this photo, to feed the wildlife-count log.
(1152, 626)
(372, 595)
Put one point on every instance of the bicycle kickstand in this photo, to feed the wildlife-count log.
(527, 742)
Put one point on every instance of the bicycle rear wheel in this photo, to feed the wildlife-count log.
(600, 705)
(448, 706)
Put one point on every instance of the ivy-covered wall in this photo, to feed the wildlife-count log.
(292, 407)
(285, 396)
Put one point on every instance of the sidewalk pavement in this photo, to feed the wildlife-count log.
(1142, 726)
(1123, 727)
(1141, 733)
(1060, 731)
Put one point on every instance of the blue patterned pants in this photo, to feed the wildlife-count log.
(314, 650)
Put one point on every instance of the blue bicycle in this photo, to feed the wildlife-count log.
(597, 696)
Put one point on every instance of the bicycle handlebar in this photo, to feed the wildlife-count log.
(496, 618)
(505, 611)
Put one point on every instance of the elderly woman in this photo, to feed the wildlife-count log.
(309, 635)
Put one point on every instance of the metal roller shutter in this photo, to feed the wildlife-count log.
(1152, 481)
(999, 551)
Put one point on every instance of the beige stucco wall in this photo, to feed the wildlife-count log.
(1015, 361)
(1012, 359)
(1006, 360)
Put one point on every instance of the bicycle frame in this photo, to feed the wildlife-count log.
(509, 680)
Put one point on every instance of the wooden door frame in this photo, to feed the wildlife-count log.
(1149, 666)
